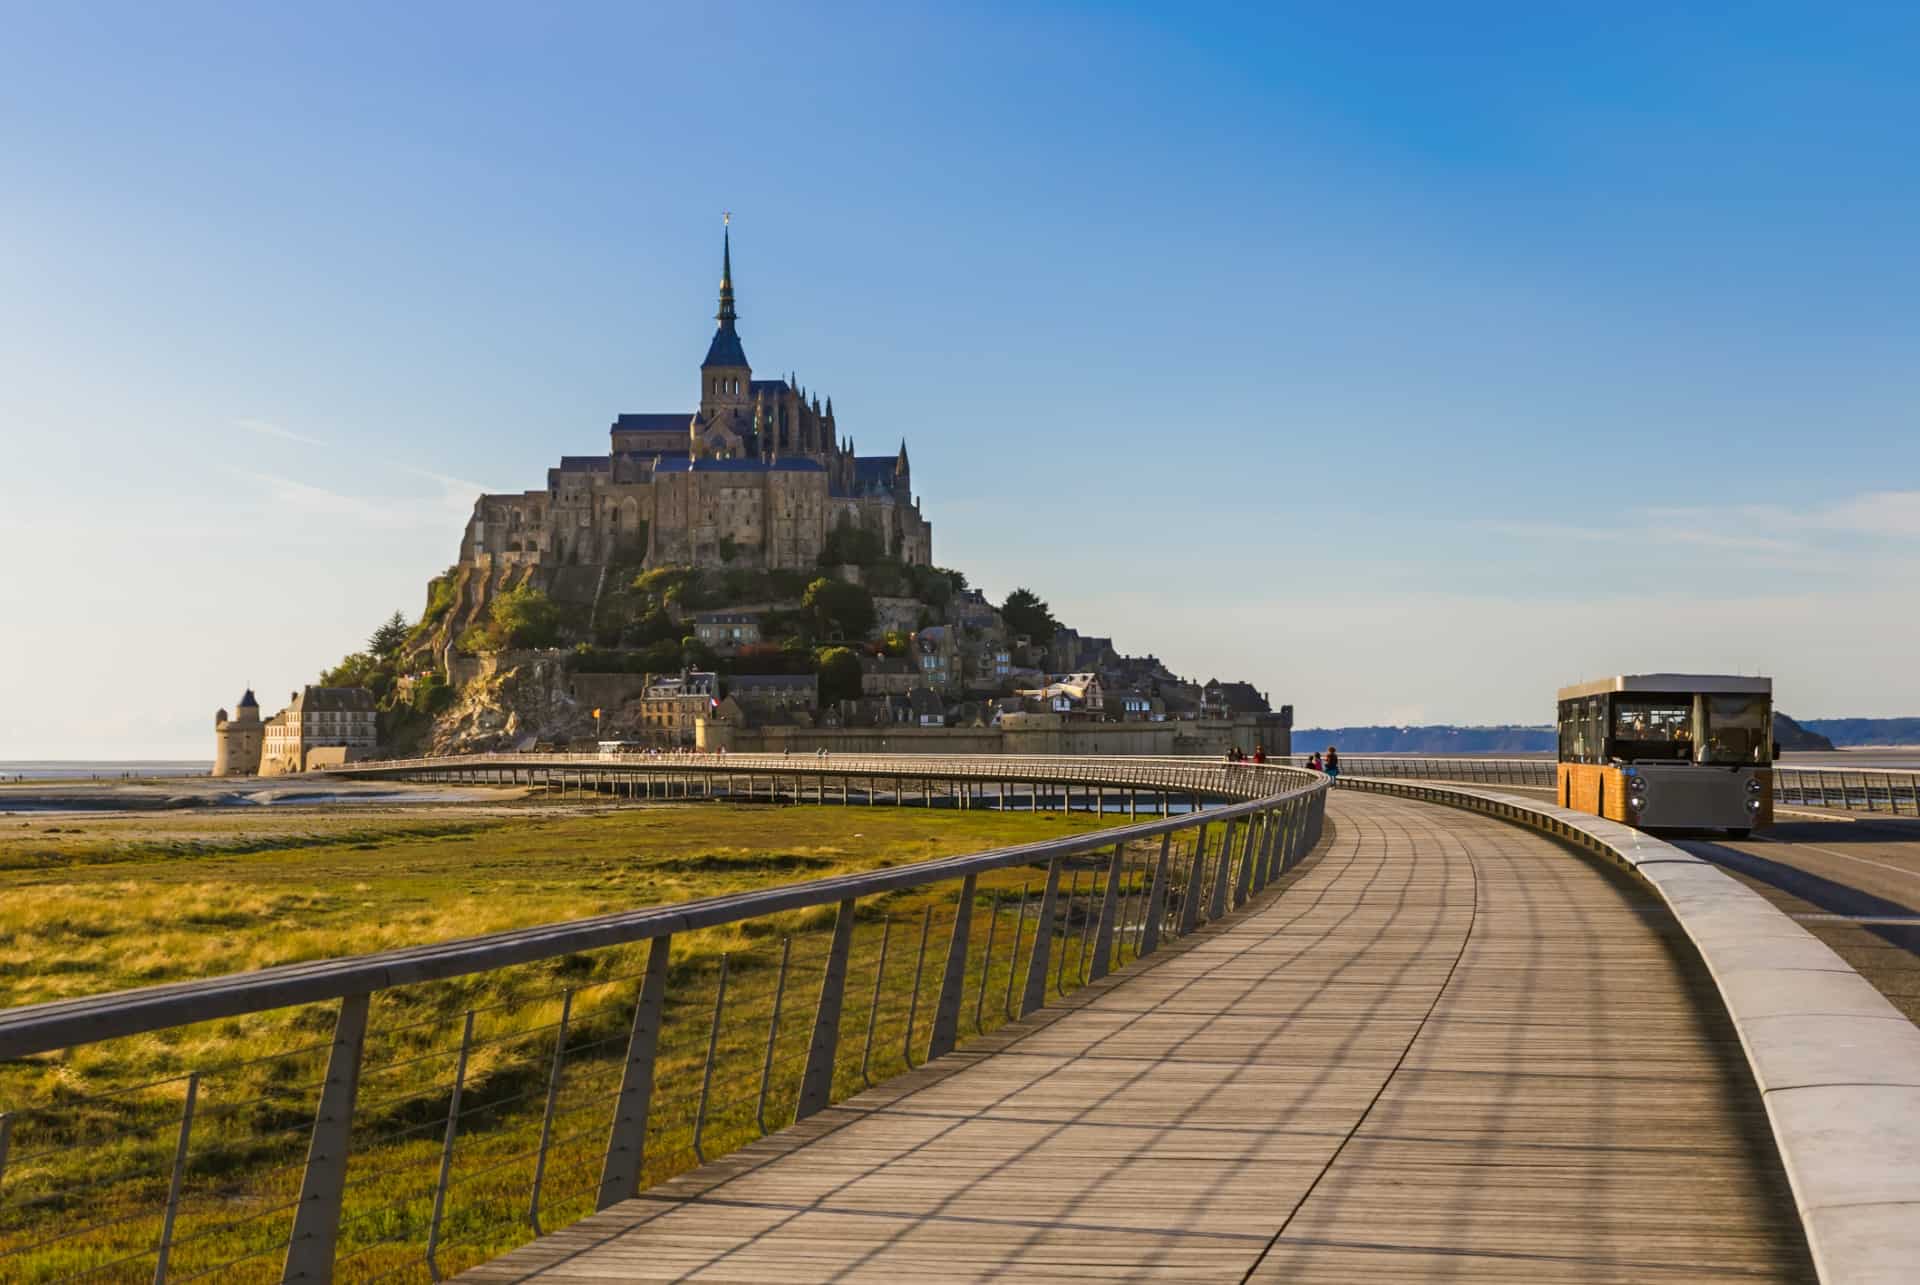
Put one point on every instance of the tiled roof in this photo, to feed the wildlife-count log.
(585, 463)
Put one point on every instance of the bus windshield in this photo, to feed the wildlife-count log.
(1736, 730)
(1653, 727)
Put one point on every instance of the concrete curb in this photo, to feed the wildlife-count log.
(1837, 1065)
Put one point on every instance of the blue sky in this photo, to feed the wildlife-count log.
(1406, 360)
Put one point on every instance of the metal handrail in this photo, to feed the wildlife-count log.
(56, 1024)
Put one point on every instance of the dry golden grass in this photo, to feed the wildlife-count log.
(99, 904)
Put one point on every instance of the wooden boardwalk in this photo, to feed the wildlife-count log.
(1446, 1050)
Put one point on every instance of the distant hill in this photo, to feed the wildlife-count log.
(1437, 739)
(1867, 731)
(1444, 738)
(1791, 735)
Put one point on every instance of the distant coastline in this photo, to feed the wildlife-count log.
(101, 769)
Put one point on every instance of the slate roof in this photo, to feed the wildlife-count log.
(725, 350)
(585, 463)
(247, 700)
(684, 464)
(874, 471)
(653, 422)
(356, 699)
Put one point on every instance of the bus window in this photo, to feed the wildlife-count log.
(1653, 727)
(1736, 730)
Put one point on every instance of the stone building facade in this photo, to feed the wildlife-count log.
(758, 476)
(320, 727)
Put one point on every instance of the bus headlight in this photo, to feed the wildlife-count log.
(1753, 785)
(1753, 805)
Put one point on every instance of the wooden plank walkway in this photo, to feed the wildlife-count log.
(1447, 1050)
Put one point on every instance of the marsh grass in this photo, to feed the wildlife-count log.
(117, 905)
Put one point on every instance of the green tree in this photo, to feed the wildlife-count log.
(839, 608)
(1026, 612)
(839, 675)
(524, 617)
(390, 637)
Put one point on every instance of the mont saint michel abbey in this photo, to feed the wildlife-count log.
(756, 477)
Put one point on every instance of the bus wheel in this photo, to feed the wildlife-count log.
(1739, 832)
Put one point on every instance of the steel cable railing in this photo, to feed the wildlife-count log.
(441, 1125)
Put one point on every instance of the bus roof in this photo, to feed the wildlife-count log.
(1671, 684)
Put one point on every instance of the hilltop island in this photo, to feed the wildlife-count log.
(735, 577)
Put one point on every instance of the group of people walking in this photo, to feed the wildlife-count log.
(1316, 762)
(1330, 763)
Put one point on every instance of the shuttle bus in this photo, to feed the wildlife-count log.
(1659, 751)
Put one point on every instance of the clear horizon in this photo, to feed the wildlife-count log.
(1406, 364)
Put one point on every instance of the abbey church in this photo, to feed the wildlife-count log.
(757, 477)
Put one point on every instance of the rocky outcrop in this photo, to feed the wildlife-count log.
(514, 705)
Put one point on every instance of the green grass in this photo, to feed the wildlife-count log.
(98, 904)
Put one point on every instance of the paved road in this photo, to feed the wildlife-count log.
(1857, 868)
(1449, 1050)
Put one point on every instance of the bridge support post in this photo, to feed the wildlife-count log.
(1036, 991)
(316, 1221)
(1190, 904)
(1109, 905)
(627, 1140)
(1223, 871)
(816, 1082)
(946, 1011)
(1156, 901)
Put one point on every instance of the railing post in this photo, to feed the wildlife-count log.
(1190, 904)
(446, 1147)
(816, 1082)
(1249, 851)
(913, 1002)
(546, 1119)
(1260, 853)
(986, 967)
(1013, 958)
(1060, 966)
(946, 1012)
(1109, 905)
(1036, 992)
(316, 1222)
(627, 1139)
(706, 1075)
(773, 1025)
(1156, 901)
(1223, 871)
(173, 1184)
(873, 1009)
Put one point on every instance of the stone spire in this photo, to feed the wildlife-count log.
(725, 350)
(726, 315)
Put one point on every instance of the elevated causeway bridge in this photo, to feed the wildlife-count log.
(1257, 1029)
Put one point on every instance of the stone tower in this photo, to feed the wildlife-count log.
(237, 741)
